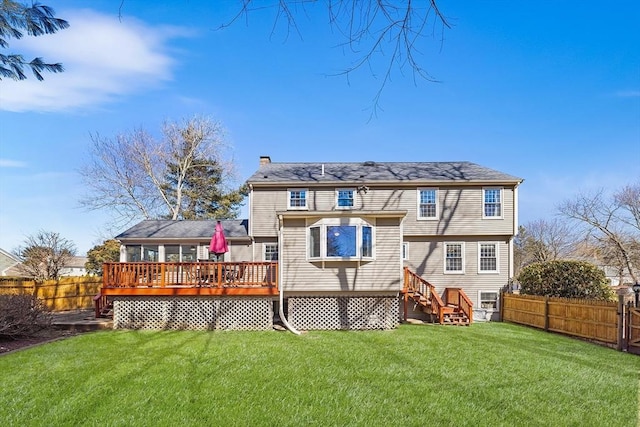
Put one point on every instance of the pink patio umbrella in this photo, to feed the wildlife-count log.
(218, 243)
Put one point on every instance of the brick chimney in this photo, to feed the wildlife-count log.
(265, 160)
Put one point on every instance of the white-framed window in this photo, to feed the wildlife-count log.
(427, 203)
(189, 253)
(315, 241)
(488, 300)
(137, 253)
(345, 198)
(150, 253)
(454, 258)
(133, 253)
(270, 251)
(172, 253)
(405, 251)
(180, 253)
(297, 198)
(340, 239)
(492, 202)
(488, 257)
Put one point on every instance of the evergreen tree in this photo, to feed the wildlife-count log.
(36, 20)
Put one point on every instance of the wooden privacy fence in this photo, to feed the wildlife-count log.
(606, 322)
(69, 293)
(632, 338)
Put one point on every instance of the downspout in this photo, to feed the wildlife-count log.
(280, 285)
(250, 224)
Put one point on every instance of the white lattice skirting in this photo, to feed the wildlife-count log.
(229, 313)
(367, 312)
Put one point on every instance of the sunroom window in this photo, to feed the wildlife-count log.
(339, 239)
(150, 253)
(133, 253)
(137, 253)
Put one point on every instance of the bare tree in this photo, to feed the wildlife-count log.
(614, 223)
(370, 29)
(544, 240)
(44, 254)
(137, 176)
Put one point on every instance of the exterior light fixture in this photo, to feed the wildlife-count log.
(636, 290)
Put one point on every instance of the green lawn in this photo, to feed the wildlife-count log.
(488, 374)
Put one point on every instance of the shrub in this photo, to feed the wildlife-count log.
(22, 315)
(565, 279)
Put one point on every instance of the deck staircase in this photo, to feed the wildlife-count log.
(103, 307)
(455, 309)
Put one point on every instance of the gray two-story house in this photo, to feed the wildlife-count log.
(345, 231)
(353, 245)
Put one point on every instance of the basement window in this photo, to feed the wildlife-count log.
(488, 300)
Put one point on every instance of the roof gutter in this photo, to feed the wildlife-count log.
(385, 183)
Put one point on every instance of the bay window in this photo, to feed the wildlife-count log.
(338, 239)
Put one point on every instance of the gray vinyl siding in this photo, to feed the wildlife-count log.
(426, 258)
(384, 273)
(240, 252)
(460, 213)
(460, 209)
(258, 247)
(264, 205)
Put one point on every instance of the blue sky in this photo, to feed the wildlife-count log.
(544, 90)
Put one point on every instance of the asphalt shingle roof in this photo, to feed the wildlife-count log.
(383, 172)
(184, 229)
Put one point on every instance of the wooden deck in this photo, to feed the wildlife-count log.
(190, 278)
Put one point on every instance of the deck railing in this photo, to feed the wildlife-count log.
(457, 297)
(418, 288)
(190, 274)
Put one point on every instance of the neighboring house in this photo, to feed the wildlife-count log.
(74, 267)
(616, 276)
(343, 234)
(8, 263)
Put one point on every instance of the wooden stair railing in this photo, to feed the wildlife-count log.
(455, 309)
(103, 307)
(457, 298)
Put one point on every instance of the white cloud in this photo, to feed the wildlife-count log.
(104, 58)
(7, 163)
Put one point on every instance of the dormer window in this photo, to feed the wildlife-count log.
(297, 198)
(345, 198)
